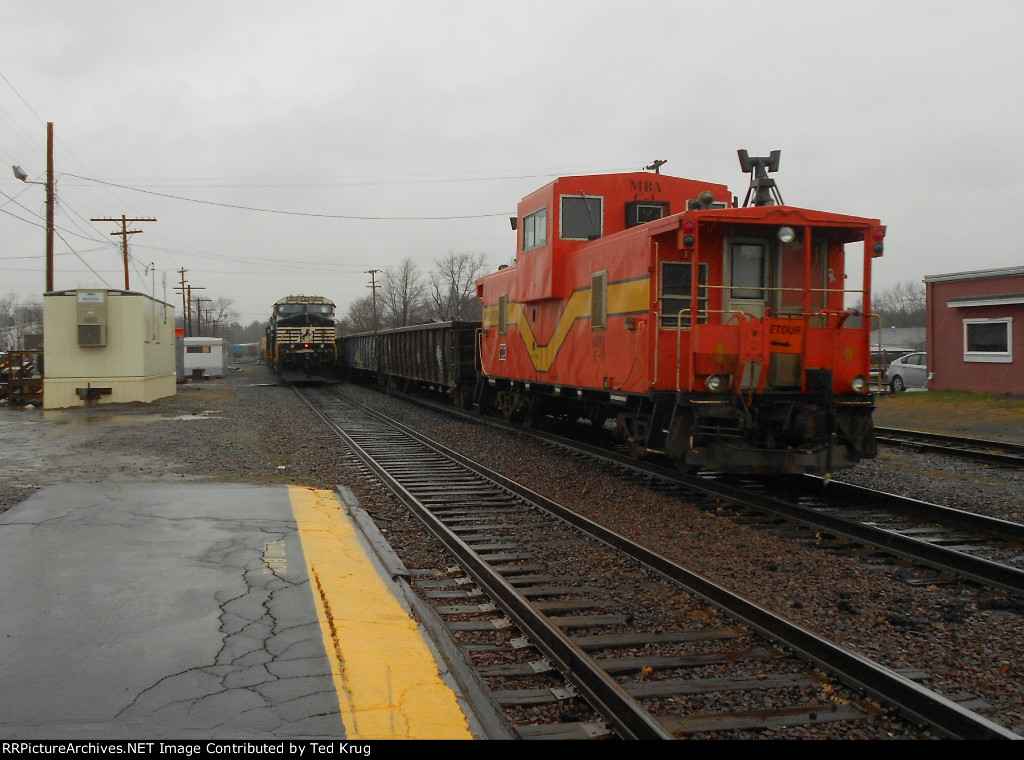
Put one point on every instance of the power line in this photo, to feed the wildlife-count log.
(291, 213)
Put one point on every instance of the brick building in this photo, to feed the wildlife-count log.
(975, 321)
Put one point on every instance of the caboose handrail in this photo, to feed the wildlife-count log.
(479, 349)
(766, 289)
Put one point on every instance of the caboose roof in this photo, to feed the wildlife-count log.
(633, 185)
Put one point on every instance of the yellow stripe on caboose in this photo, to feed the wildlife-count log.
(626, 297)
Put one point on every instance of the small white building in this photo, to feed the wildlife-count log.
(106, 346)
(209, 355)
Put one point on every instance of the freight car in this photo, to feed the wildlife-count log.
(300, 336)
(719, 335)
(438, 357)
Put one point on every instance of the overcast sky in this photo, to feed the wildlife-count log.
(287, 148)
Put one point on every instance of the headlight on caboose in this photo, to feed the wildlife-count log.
(716, 383)
(860, 384)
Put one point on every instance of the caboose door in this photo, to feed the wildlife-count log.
(767, 277)
(746, 277)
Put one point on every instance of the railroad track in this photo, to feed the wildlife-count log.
(951, 542)
(1001, 453)
(633, 667)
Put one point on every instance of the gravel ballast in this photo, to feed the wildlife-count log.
(247, 428)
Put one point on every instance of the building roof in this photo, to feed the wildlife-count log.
(899, 338)
(977, 274)
(1000, 299)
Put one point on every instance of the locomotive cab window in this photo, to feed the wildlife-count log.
(535, 229)
(677, 292)
(581, 218)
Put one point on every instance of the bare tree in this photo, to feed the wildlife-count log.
(903, 305)
(360, 317)
(219, 314)
(451, 292)
(19, 319)
(402, 295)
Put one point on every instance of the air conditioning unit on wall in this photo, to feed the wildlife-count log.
(92, 318)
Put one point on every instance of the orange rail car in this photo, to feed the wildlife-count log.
(718, 334)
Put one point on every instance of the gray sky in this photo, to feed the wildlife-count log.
(370, 132)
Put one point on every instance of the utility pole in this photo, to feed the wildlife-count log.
(21, 174)
(199, 314)
(373, 286)
(124, 233)
(188, 331)
(184, 299)
(49, 206)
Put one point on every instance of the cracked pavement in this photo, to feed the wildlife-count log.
(160, 611)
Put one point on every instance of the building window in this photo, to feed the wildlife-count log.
(599, 300)
(988, 340)
(676, 293)
(503, 314)
(535, 229)
(198, 350)
(581, 217)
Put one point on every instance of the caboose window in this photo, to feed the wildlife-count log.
(642, 212)
(676, 292)
(747, 265)
(503, 314)
(581, 218)
(535, 229)
(599, 300)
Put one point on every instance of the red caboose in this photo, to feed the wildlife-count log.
(716, 334)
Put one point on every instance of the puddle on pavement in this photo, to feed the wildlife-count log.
(80, 417)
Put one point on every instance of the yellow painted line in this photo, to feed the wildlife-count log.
(386, 676)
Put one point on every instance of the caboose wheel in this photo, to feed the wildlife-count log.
(506, 403)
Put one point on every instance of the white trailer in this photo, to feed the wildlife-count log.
(208, 355)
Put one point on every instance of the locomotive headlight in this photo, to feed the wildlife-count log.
(786, 234)
(859, 384)
(715, 383)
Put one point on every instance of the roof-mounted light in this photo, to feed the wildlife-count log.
(786, 234)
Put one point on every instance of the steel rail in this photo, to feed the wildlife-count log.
(606, 695)
(912, 700)
(1007, 453)
(937, 557)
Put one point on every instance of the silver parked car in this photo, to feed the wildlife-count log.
(910, 371)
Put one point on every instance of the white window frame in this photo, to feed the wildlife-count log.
(535, 229)
(992, 357)
(599, 221)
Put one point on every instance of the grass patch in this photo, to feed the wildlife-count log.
(996, 416)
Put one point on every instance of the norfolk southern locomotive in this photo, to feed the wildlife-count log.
(300, 336)
(716, 334)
